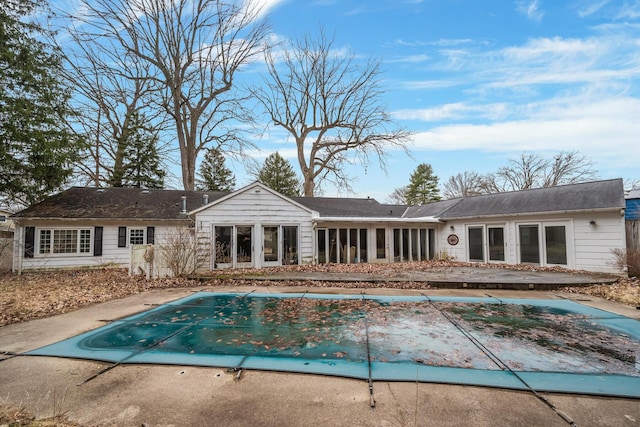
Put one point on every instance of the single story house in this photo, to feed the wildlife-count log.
(575, 226)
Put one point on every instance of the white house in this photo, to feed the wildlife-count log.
(575, 226)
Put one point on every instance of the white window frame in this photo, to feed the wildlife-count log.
(130, 232)
(78, 244)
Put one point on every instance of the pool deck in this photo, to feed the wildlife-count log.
(153, 395)
(449, 278)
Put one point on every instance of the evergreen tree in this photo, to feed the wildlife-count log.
(423, 186)
(37, 147)
(214, 175)
(278, 174)
(142, 167)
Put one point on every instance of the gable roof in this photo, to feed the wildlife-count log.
(257, 186)
(118, 203)
(587, 196)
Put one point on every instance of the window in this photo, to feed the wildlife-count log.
(136, 236)
(381, 243)
(3, 218)
(64, 241)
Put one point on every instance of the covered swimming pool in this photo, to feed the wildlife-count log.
(521, 344)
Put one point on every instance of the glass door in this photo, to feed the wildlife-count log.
(476, 244)
(290, 245)
(222, 247)
(529, 244)
(244, 246)
(496, 243)
(555, 241)
(270, 246)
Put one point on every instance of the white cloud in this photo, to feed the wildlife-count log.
(453, 111)
(592, 7)
(600, 129)
(265, 6)
(531, 9)
(410, 59)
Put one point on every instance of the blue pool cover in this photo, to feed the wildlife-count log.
(544, 345)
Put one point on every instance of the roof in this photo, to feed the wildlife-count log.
(118, 203)
(350, 207)
(135, 203)
(588, 196)
(633, 194)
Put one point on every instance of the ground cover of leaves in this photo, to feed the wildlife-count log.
(43, 294)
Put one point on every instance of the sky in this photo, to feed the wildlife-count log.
(479, 82)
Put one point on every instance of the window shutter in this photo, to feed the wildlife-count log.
(122, 237)
(29, 241)
(97, 241)
(151, 234)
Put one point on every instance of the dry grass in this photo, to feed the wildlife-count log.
(12, 416)
(624, 291)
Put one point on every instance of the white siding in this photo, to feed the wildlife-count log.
(588, 247)
(112, 255)
(258, 209)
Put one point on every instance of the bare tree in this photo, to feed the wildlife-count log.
(463, 185)
(530, 170)
(111, 90)
(331, 104)
(398, 196)
(568, 168)
(192, 50)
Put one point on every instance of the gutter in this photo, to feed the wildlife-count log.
(529, 214)
(426, 219)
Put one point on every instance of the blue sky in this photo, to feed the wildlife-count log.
(480, 81)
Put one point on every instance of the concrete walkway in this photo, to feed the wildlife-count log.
(151, 395)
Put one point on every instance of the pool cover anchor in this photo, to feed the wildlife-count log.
(238, 370)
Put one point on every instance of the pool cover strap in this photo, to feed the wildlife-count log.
(501, 364)
(372, 401)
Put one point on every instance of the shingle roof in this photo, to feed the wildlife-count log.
(350, 207)
(607, 194)
(117, 203)
(134, 203)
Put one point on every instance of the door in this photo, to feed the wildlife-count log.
(496, 243)
(476, 244)
(223, 247)
(244, 246)
(529, 238)
(270, 246)
(290, 245)
(555, 242)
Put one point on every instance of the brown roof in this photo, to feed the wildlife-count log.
(117, 203)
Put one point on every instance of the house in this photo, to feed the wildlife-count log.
(575, 226)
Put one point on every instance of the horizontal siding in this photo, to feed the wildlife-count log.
(258, 209)
(111, 256)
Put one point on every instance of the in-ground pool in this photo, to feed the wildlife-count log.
(544, 345)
